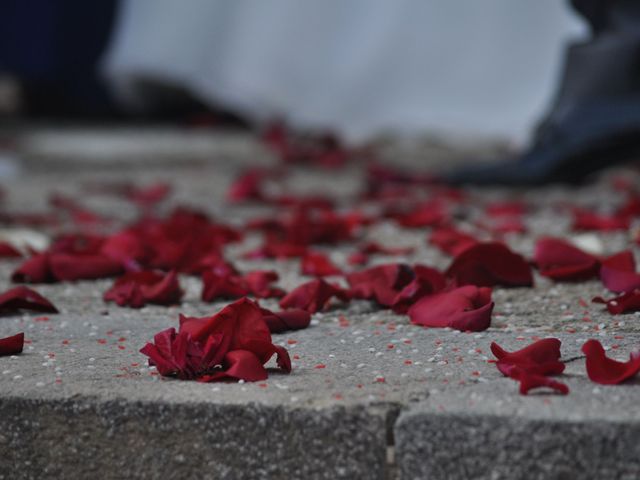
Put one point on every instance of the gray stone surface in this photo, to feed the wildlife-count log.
(80, 401)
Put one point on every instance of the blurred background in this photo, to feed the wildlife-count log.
(361, 68)
(460, 70)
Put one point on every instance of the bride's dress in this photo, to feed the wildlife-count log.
(479, 67)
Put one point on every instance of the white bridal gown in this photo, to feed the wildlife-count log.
(361, 67)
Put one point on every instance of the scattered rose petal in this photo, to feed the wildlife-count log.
(136, 289)
(318, 264)
(606, 371)
(218, 284)
(561, 261)
(313, 296)
(12, 345)
(235, 343)
(466, 308)
(541, 357)
(488, 264)
(382, 283)
(294, 319)
(451, 240)
(24, 298)
(627, 302)
(618, 272)
(529, 381)
(588, 220)
(9, 251)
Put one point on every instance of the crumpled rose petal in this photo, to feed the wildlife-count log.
(318, 264)
(235, 343)
(489, 264)
(426, 281)
(608, 371)
(242, 327)
(12, 345)
(627, 302)
(136, 289)
(24, 298)
(466, 308)
(561, 261)
(618, 272)
(177, 354)
(313, 296)
(382, 283)
(541, 357)
(294, 319)
(239, 365)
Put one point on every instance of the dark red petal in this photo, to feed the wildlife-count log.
(318, 264)
(12, 345)
(313, 296)
(382, 283)
(451, 241)
(294, 319)
(627, 302)
(136, 289)
(618, 272)
(24, 298)
(166, 291)
(529, 381)
(9, 251)
(34, 270)
(238, 365)
(427, 281)
(489, 264)
(607, 371)
(559, 260)
(465, 308)
(259, 282)
(372, 248)
(541, 357)
(587, 220)
(69, 267)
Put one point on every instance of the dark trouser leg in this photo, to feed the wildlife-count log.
(595, 118)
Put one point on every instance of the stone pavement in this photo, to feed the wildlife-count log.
(370, 395)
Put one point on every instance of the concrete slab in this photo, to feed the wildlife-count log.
(80, 401)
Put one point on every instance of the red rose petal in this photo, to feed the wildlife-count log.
(627, 302)
(427, 281)
(9, 251)
(451, 241)
(529, 381)
(607, 371)
(382, 283)
(618, 272)
(294, 319)
(136, 289)
(12, 345)
(587, 220)
(561, 261)
(488, 264)
(24, 298)
(541, 357)
(239, 365)
(466, 308)
(313, 296)
(318, 264)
